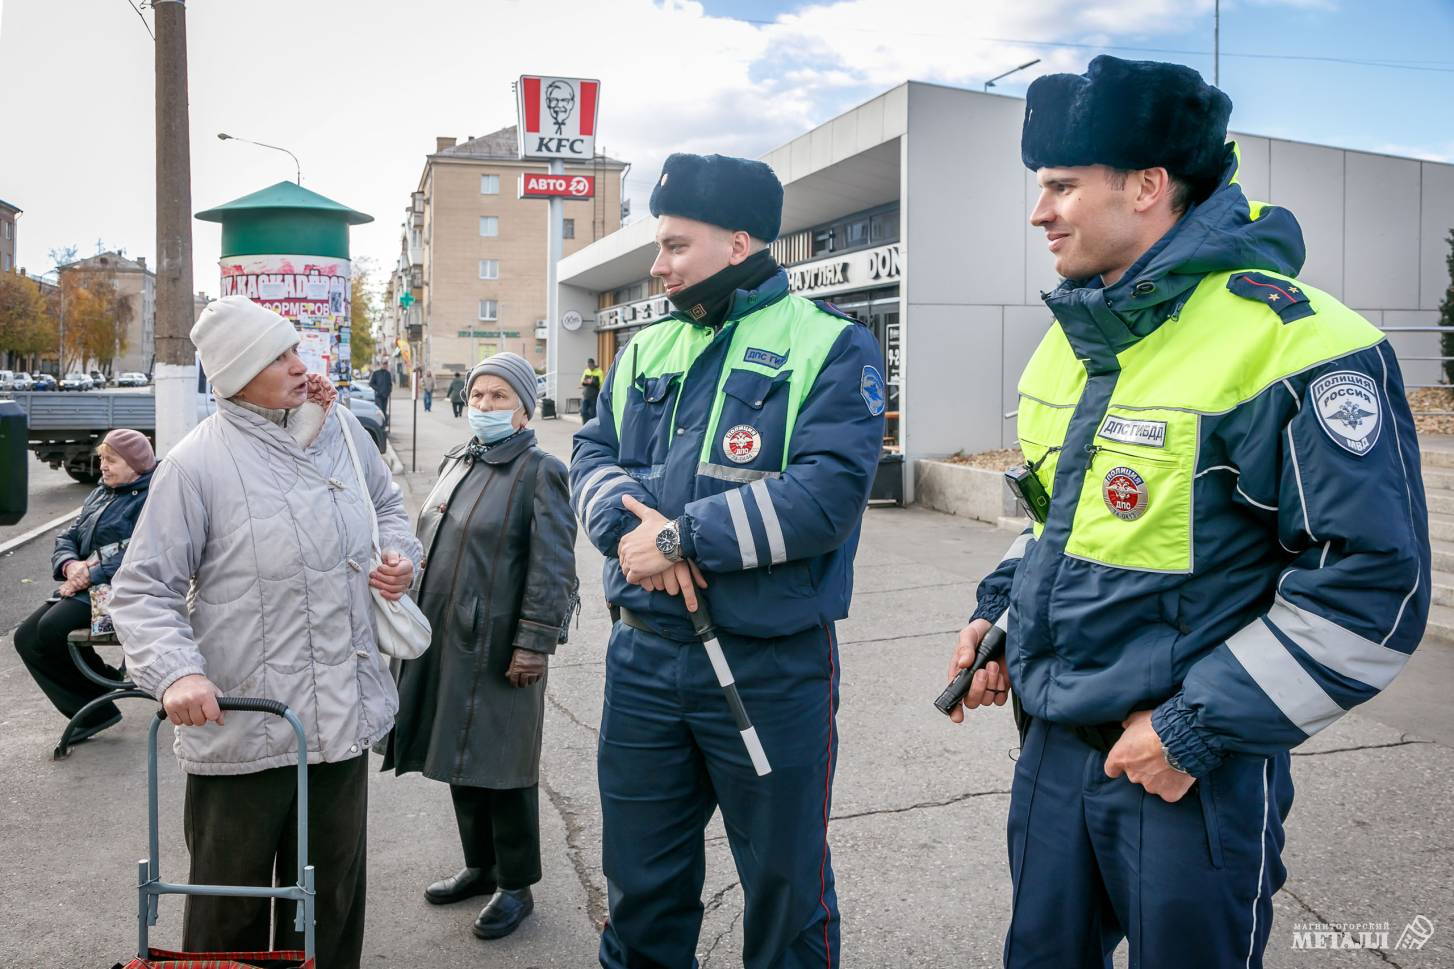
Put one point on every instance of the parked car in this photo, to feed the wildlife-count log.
(7, 379)
(98, 380)
(131, 379)
(22, 381)
(361, 402)
(44, 381)
(75, 380)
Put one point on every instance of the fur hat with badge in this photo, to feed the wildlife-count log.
(738, 194)
(1129, 115)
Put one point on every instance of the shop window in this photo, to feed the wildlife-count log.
(822, 241)
(855, 234)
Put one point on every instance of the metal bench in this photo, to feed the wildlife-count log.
(115, 689)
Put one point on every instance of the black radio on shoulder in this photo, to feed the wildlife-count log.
(1029, 491)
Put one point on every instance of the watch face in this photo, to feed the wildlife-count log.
(667, 541)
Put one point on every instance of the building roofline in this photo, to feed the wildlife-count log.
(11, 206)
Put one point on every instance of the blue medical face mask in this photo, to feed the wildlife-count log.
(492, 425)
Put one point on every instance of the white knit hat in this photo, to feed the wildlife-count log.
(237, 339)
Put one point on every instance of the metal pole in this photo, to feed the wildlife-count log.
(414, 458)
(1217, 43)
(552, 298)
(176, 409)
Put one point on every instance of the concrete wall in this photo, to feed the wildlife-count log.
(571, 350)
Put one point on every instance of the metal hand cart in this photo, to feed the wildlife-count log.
(150, 886)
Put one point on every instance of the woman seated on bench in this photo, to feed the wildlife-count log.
(87, 554)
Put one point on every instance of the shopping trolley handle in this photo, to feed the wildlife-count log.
(246, 703)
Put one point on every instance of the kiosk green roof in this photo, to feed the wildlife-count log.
(284, 219)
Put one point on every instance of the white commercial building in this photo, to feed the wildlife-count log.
(911, 212)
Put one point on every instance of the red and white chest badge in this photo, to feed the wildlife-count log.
(742, 443)
(1125, 494)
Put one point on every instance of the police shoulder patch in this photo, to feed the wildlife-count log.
(1348, 407)
(1283, 296)
(871, 388)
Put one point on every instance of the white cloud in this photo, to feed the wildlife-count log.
(360, 89)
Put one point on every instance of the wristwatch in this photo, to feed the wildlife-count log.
(669, 541)
(1170, 760)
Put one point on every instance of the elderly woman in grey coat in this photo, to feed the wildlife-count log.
(248, 575)
(499, 587)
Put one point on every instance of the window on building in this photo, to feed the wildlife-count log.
(855, 234)
(822, 241)
(567, 228)
(489, 184)
(489, 269)
(489, 225)
(489, 309)
(414, 239)
(883, 227)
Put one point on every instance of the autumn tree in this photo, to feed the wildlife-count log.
(96, 317)
(363, 313)
(27, 328)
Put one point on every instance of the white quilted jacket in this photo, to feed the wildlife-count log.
(249, 564)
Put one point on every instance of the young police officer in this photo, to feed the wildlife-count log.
(1236, 547)
(731, 458)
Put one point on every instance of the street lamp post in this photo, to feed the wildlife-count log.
(298, 168)
(999, 77)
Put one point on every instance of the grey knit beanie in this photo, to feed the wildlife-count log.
(515, 370)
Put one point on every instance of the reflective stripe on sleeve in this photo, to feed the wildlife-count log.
(1278, 674)
(584, 494)
(1338, 649)
(746, 547)
(776, 544)
(602, 492)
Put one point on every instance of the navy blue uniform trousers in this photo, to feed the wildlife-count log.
(1095, 860)
(670, 754)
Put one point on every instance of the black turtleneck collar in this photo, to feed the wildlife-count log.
(709, 301)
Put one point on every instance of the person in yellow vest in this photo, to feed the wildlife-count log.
(1234, 550)
(591, 382)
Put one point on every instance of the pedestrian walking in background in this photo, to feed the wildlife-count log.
(382, 383)
(248, 575)
(590, 389)
(87, 554)
(456, 393)
(428, 391)
(499, 535)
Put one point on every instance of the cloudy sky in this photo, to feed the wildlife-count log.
(359, 89)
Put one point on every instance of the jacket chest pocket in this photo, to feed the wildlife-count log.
(1040, 429)
(646, 421)
(1135, 508)
(752, 428)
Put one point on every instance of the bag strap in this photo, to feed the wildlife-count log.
(363, 483)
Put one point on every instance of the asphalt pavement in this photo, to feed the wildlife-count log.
(918, 819)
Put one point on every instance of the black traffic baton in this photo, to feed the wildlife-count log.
(707, 633)
(991, 647)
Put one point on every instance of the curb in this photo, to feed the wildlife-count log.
(36, 532)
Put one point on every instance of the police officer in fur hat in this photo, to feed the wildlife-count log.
(730, 461)
(1236, 546)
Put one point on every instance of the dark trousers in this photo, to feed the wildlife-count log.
(41, 643)
(670, 754)
(499, 830)
(458, 407)
(1095, 860)
(588, 408)
(242, 829)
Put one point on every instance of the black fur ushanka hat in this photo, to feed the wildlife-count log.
(1128, 115)
(735, 193)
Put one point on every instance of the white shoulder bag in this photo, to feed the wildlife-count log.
(403, 632)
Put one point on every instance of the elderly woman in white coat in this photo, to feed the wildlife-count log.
(248, 575)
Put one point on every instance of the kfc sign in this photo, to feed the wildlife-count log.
(537, 185)
(557, 117)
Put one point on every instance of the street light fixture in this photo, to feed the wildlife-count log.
(221, 136)
(991, 82)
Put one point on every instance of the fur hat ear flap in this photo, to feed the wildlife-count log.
(1128, 115)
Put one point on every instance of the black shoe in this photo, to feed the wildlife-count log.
(468, 883)
(504, 913)
(87, 731)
